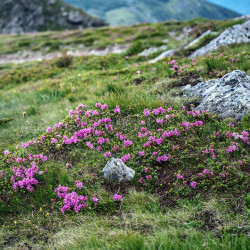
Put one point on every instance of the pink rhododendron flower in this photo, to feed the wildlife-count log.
(179, 176)
(107, 154)
(78, 184)
(54, 140)
(141, 153)
(193, 184)
(117, 197)
(49, 129)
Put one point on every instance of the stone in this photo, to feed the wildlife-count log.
(239, 33)
(116, 170)
(208, 32)
(228, 96)
(163, 55)
(150, 51)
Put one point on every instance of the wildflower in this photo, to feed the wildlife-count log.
(141, 153)
(6, 152)
(179, 176)
(146, 170)
(78, 184)
(117, 109)
(146, 112)
(117, 197)
(153, 69)
(127, 143)
(193, 184)
(68, 165)
(125, 158)
(54, 140)
(107, 154)
(49, 129)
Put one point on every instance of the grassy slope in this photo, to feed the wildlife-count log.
(46, 92)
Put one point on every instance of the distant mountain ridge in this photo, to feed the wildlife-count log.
(19, 16)
(126, 12)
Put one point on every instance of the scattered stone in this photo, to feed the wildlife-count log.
(208, 32)
(228, 96)
(116, 170)
(150, 51)
(239, 33)
(163, 55)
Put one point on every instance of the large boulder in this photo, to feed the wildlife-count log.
(116, 170)
(239, 33)
(228, 96)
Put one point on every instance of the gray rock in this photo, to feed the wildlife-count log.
(163, 55)
(116, 170)
(208, 32)
(150, 51)
(228, 96)
(20, 16)
(239, 33)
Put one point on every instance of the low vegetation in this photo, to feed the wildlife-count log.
(61, 120)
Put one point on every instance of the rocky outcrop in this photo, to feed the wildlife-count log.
(239, 33)
(150, 51)
(197, 40)
(163, 55)
(116, 170)
(228, 96)
(20, 16)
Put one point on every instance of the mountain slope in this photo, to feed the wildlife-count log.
(125, 12)
(18, 16)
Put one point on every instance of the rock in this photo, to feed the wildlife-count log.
(150, 51)
(21, 16)
(163, 55)
(228, 96)
(116, 170)
(239, 33)
(199, 38)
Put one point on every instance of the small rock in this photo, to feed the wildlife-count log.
(163, 55)
(116, 170)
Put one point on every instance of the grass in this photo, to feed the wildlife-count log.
(163, 214)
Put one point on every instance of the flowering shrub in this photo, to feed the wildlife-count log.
(174, 153)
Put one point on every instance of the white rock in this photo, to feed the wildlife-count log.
(163, 55)
(116, 170)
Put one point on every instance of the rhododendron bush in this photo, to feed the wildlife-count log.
(175, 153)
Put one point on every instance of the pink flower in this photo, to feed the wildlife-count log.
(200, 175)
(78, 184)
(117, 197)
(142, 122)
(153, 69)
(179, 176)
(49, 129)
(107, 154)
(146, 170)
(125, 158)
(6, 152)
(54, 140)
(95, 200)
(193, 184)
(68, 165)
(117, 109)
(115, 77)
(146, 112)
(141, 153)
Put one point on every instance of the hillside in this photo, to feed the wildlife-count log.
(19, 16)
(65, 115)
(126, 12)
